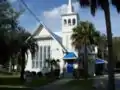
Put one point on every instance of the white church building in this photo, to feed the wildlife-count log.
(53, 46)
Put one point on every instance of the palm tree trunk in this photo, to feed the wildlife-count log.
(85, 61)
(10, 65)
(22, 65)
(78, 71)
(102, 53)
(111, 80)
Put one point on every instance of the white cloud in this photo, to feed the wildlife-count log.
(52, 17)
(12, 1)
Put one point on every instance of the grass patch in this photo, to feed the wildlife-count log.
(11, 82)
(79, 85)
(41, 81)
(9, 88)
(5, 73)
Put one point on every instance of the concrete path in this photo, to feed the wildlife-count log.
(57, 85)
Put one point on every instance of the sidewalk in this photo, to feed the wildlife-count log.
(102, 82)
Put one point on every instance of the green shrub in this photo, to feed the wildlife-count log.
(40, 74)
(57, 73)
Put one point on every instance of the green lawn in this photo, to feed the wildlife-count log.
(41, 81)
(79, 85)
(13, 88)
(12, 82)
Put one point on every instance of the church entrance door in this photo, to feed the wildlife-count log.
(70, 67)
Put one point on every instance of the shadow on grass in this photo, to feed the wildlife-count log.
(8, 88)
(10, 81)
(41, 81)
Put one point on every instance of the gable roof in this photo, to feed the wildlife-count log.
(54, 36)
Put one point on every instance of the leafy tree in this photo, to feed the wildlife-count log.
(8, 25)
(14, 39)
(105, 5)
(84, 35)
(116, 44)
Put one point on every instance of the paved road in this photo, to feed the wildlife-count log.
(58, 84)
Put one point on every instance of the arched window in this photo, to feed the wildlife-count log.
(69, 21)
(65, 21)
(41, 56)
(74, 21)
(45, 56)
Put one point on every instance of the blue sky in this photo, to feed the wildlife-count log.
(49, 12)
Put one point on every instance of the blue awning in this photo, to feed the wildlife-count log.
(100, 61)
(70, 55)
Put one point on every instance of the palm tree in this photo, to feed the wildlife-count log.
(105, 5)
(116, 44)
(23, 48)
(83, 36)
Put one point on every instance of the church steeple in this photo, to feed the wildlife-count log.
(69, 21)
(70, 7)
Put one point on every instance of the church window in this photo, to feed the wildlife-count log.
(36, 64)
(69, 21)
(40, 56)
(33, 64)
(65, 21)
(45, 52)
(44, 55)
(74, 21)
(48, 52)
(35, 61)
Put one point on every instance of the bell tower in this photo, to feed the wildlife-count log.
(69, 21)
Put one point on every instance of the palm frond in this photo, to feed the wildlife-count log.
(93, 7)
(116, 3)
(94, 4)
(84, 3)
(85, 32)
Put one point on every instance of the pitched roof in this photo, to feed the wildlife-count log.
(54, 36)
